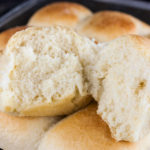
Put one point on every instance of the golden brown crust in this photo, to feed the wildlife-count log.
(101, 21)
(85, 130)
(5, 36)
(63, 13)
(107, 25)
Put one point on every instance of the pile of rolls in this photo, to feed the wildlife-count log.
(71, 79)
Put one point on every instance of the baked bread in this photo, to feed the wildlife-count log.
(42, 72)
(120, 82)
(85, 130)
(62, 13)
(23, 133)
(5, 36)
(107, 25)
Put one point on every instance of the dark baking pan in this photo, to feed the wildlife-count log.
(20, 14)
(6, 5)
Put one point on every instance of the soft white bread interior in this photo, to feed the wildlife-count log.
(23, 133)
(20, 133)
(5, 36)
(108, 25)
(42, 72)
(120, 82)
(62, 13)
(85, 130)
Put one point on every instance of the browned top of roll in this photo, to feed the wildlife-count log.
(62, 13)
(107, 25)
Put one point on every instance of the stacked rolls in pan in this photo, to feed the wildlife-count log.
(54, 68)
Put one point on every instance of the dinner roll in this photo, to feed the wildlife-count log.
(120, 82)
(107, 25)
(62, 13)
(85, 130)
(5, 35)
(43, 73)
(22, 133)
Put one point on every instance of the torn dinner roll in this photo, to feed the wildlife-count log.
(43, 74)
(120, 82)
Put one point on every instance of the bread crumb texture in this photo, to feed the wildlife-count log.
(44, 72)
(120, 82)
